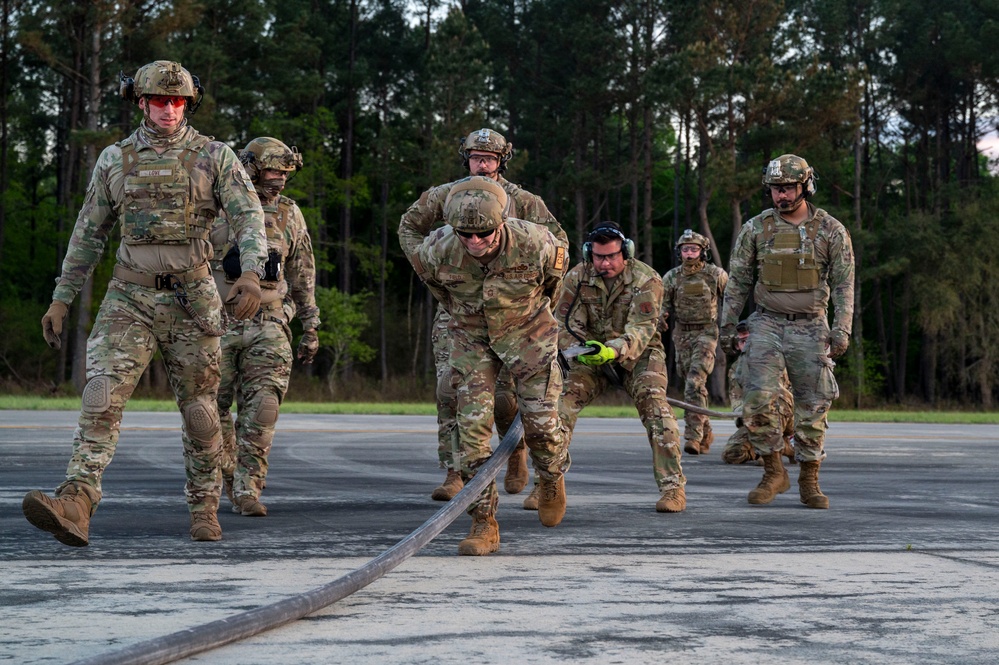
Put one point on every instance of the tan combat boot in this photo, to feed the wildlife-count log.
(451, 486)
(808, 486)
(484, 537)
(691, 447)
(517, 474)
(774, 481)
(205, 526)
(532, 500)
(66, 517)
(249, 506)
(707, 439)
(672, 501)
(551, 501)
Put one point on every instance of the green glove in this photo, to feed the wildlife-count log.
(726, 340)
(604, 354)
(308, 347)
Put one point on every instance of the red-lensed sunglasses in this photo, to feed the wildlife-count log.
(482, 235)
(159, 101)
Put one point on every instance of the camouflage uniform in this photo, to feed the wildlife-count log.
(789, 329)
(693, 292)
(626, 317)
(256, 353)
(146, 190)
(500, 318)
(738, 449)
(422, 217)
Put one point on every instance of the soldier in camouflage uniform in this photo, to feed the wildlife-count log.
(496, 277)
(612, 301)
(256, 354)
(484, 153)
(693, 291)
(739, 450)
(167, 184)
(799, 258)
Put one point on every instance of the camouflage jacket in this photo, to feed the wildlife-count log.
(694, 293)
(626, 318)
(504, 302)
(294, 244)
(831, 250)
(427, 214)
(103, 206)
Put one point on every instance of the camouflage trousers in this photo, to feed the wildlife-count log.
(133, 322)
(256, 368)
(776, 344)
(695, 360)
(476, 368)
(646, 385)
(738, 449)
(449, 451)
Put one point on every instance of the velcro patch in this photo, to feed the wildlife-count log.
(150, 173)
(645, 307)
(559, 258)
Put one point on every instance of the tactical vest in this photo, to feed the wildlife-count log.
(695, 297)
(164, 204)
(276, 220)
(788, 261)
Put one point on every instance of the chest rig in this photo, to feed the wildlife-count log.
(276, 220)
(695, 297)
(163, 204)
(788, 263)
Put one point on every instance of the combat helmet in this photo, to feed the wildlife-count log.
(162, 77)
(269, 153)
(486, 140)
(475, 204)
(691, 237)
(790, 169)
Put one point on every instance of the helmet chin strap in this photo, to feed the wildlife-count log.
(791, 206)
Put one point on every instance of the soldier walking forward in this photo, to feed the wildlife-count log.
(256, 353)
(496, 277)
(486, 153)
(611, 301)
(797, 258)
(693, 291)
(166, 183)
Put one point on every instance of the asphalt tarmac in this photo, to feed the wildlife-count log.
(903, 567)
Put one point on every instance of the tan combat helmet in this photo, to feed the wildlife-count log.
(790, 169)
(269, 153)
(691, 237)
(486, 140)
(163, 77)
(475, 204)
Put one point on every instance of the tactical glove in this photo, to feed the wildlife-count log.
(52, 323)
(604, 354)
(308, 347)
(727, 339)
(839, 342)
(245, 295)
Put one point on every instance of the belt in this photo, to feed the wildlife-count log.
(273, 306)
(802, 316)
(693, 326)
(162, 281)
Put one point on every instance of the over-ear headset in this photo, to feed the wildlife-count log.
(604, 230)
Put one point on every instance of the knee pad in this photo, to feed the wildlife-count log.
(268, 407)
(199, 418)
(446, 390)
(97, 395)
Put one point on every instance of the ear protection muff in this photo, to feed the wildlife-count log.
(627, 245)
(198, 97)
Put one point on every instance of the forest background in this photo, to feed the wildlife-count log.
(657, 114)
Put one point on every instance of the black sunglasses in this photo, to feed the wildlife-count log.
(473, 234)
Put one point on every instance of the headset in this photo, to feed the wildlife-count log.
(608, 229)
